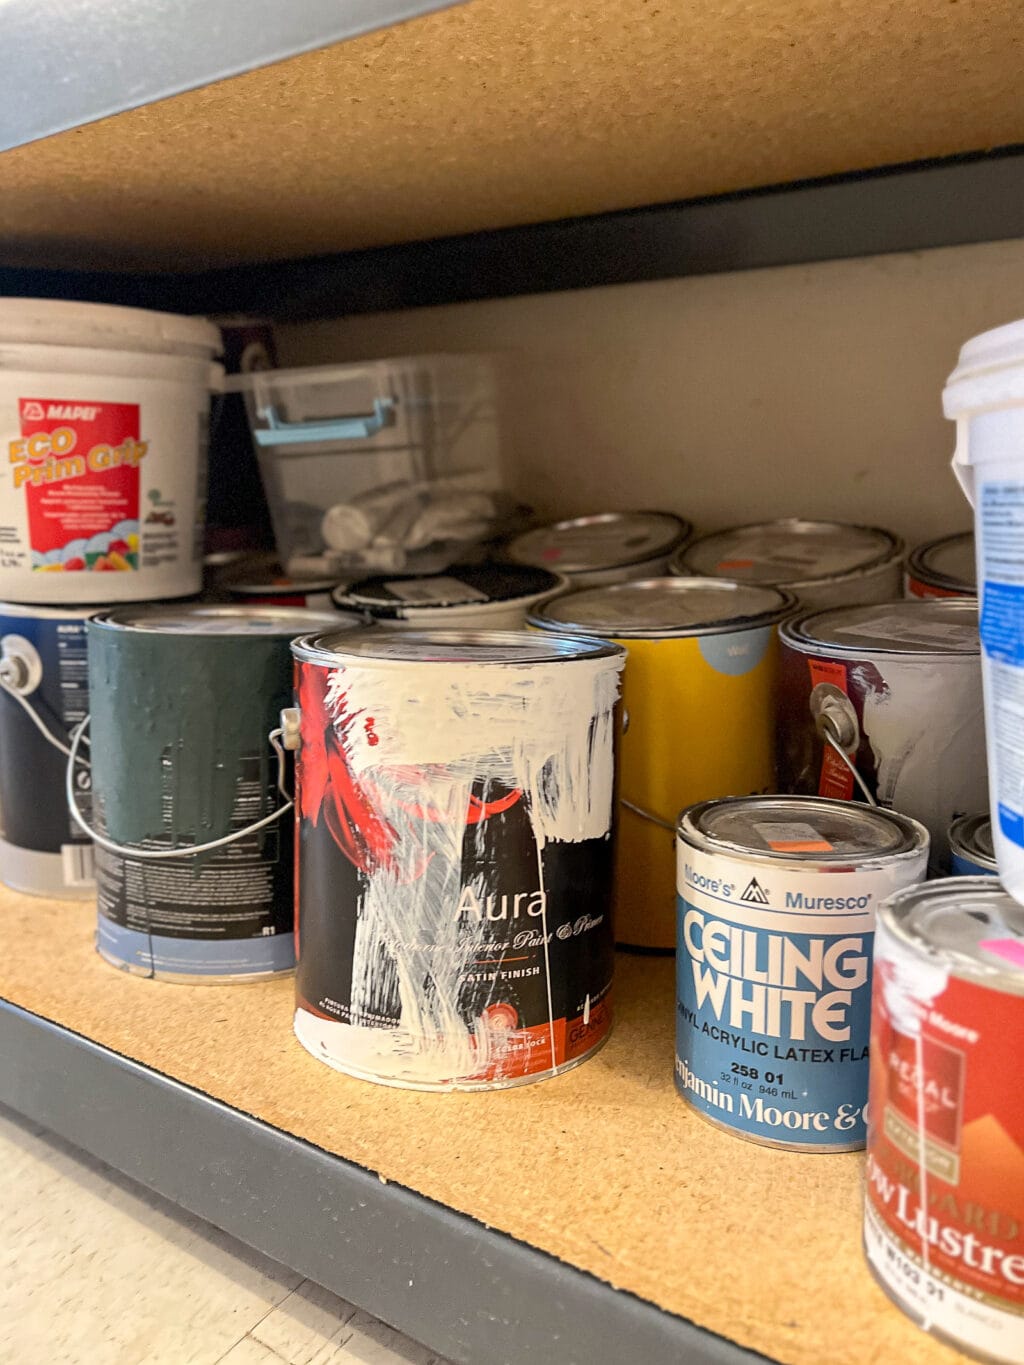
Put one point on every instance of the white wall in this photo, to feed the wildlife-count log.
(809, 390)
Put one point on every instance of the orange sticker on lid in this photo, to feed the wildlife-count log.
(792, 836)
(735, 564)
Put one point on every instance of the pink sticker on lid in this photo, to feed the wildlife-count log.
(1012, 949)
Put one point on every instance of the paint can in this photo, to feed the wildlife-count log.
(104, 421)
(699, 693)
(822, 563)
(43, 696)
(182, 700)
(886, 701)
(971, 851)
(776, 903)
(944, 1201)
(467, 597)
(943, 568)
(259, 580)
(608, 547)
(455, 797)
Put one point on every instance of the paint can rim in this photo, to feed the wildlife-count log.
(378, 647)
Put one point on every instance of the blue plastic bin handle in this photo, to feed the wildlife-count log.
(278, 433)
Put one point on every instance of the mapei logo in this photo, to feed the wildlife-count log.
(32, 411)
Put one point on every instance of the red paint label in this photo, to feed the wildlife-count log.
(946, 1133)
(835, 778)
(78, 464)
(915, 588)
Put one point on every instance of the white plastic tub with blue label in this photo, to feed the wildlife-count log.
(985, 396)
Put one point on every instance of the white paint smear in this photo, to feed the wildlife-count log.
(419, 740)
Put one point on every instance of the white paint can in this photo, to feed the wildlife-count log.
(985, 396)
(455, 799)
(104, 418)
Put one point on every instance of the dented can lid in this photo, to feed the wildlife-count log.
(966, 926)
(372, 646)
(215, 618)
(947, 564)
(789, 553)
(391, 597)
(932, 626)
(657, 607)
(804, 829)
(606, 540)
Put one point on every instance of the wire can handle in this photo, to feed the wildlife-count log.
(163, 854)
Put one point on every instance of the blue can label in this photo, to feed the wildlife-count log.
(962, 866)
(773, 977)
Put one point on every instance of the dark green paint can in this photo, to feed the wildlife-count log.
(183, 699)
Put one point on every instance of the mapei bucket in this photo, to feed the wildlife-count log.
(104, 416)
(985, 396)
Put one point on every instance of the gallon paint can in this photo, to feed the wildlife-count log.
(183, 699)
(466, 597)
(258, 579)
(699, 693)
(985, 395)
(970, 847)
(887, 698)
(104, 419)
(43, 666)
(943, 568)
(608, 547)
(455, 797)
(777, 901)
(944, 1202)
(822, 563)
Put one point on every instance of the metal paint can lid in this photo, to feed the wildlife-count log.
(966, 926)
(926, 626)
(36, 613)
(391, 597)
(664, 607)
(789, 553)
(450, 646)
(971, 837)
(215, 618)
(947, 563)
(606, 540)
(803, 829)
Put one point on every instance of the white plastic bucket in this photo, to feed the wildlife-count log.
(104, 419)
(985, 396)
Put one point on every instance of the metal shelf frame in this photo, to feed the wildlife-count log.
(467, 1291)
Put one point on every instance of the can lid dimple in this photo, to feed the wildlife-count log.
(807, 829)
(605, 540)
(916, 626)
(216, 618)
(664, 607)
(969, 926)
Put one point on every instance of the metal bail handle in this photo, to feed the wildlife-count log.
(153, 855)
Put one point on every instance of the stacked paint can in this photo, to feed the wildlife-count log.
(456, 811)
(607, 547)
(699, 693)
(103, 424)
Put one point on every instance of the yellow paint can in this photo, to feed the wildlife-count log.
(700, 698)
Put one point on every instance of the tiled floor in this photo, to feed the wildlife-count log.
(94, 1270)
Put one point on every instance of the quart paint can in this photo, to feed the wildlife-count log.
(455, 796)
(777, 901)
(943, 568)
(183, 699)
(466, 597)
(971, 852)
(44, 671)
(608, 547)
(822, 563)
(699, 693)
(897, 688)
(104, 418)
(985, 395)
(944, 1202)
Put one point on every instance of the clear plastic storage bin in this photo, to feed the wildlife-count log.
(387, 465)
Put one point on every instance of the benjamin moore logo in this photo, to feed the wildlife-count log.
(755, 893)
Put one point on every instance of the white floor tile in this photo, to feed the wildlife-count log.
(315, 1327)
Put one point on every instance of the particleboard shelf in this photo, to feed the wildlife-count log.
(443, 1213)
(503, 112)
